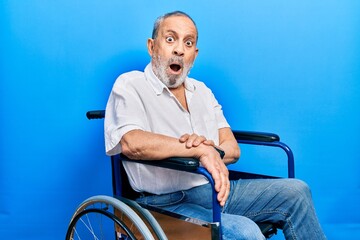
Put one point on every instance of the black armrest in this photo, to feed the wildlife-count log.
(256, 136)
(267, 139)
(177, 163)
(97, 114)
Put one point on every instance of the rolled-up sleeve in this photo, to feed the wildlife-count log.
(219, 114)
(124, 112)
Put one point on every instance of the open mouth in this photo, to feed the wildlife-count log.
(175, 67)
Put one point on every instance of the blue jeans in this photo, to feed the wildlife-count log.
(285, 202)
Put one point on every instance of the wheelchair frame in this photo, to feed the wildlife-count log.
(121, 202)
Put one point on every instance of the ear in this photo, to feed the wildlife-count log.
(196, 52)
(150, 46)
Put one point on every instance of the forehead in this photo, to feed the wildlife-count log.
(181, 25)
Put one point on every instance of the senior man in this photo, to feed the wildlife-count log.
(161, 112)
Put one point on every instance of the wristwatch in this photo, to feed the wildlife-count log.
(221, 152)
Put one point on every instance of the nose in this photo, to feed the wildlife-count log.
(178, 50)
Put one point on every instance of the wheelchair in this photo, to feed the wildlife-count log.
(120, 217)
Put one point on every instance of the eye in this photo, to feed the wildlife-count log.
(170, 39)
(189, 43)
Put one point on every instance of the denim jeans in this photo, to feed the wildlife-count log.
(285, 202)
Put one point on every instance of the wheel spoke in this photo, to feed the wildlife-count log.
(102, 217)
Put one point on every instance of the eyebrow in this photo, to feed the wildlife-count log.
(171, 31)
(190, 35)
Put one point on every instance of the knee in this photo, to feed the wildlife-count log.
(297, 192)
(299, 188)
(240, 228)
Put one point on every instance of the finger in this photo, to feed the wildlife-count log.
(195, 140)
(199, 140)
(190, 140)
(215, 174)
(184, 138)
(225, 187)
(226, 194)
(222, 195)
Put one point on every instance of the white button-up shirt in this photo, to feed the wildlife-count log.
(139, 100)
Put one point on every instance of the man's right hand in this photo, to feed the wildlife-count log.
(212, 162)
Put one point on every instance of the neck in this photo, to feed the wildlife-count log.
(179, 93)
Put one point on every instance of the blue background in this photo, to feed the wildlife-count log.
(290, 67)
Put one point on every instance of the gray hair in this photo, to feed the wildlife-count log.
(160, 19)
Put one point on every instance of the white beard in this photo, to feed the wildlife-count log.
(171, 81)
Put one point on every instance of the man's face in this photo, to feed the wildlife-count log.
(174, 50)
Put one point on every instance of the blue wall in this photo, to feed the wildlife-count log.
(290, 67)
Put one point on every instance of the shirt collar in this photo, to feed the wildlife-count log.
(158, 86)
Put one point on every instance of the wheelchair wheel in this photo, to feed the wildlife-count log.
(104, 217)
(147, 217)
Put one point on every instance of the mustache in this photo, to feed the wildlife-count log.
(176, 60)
